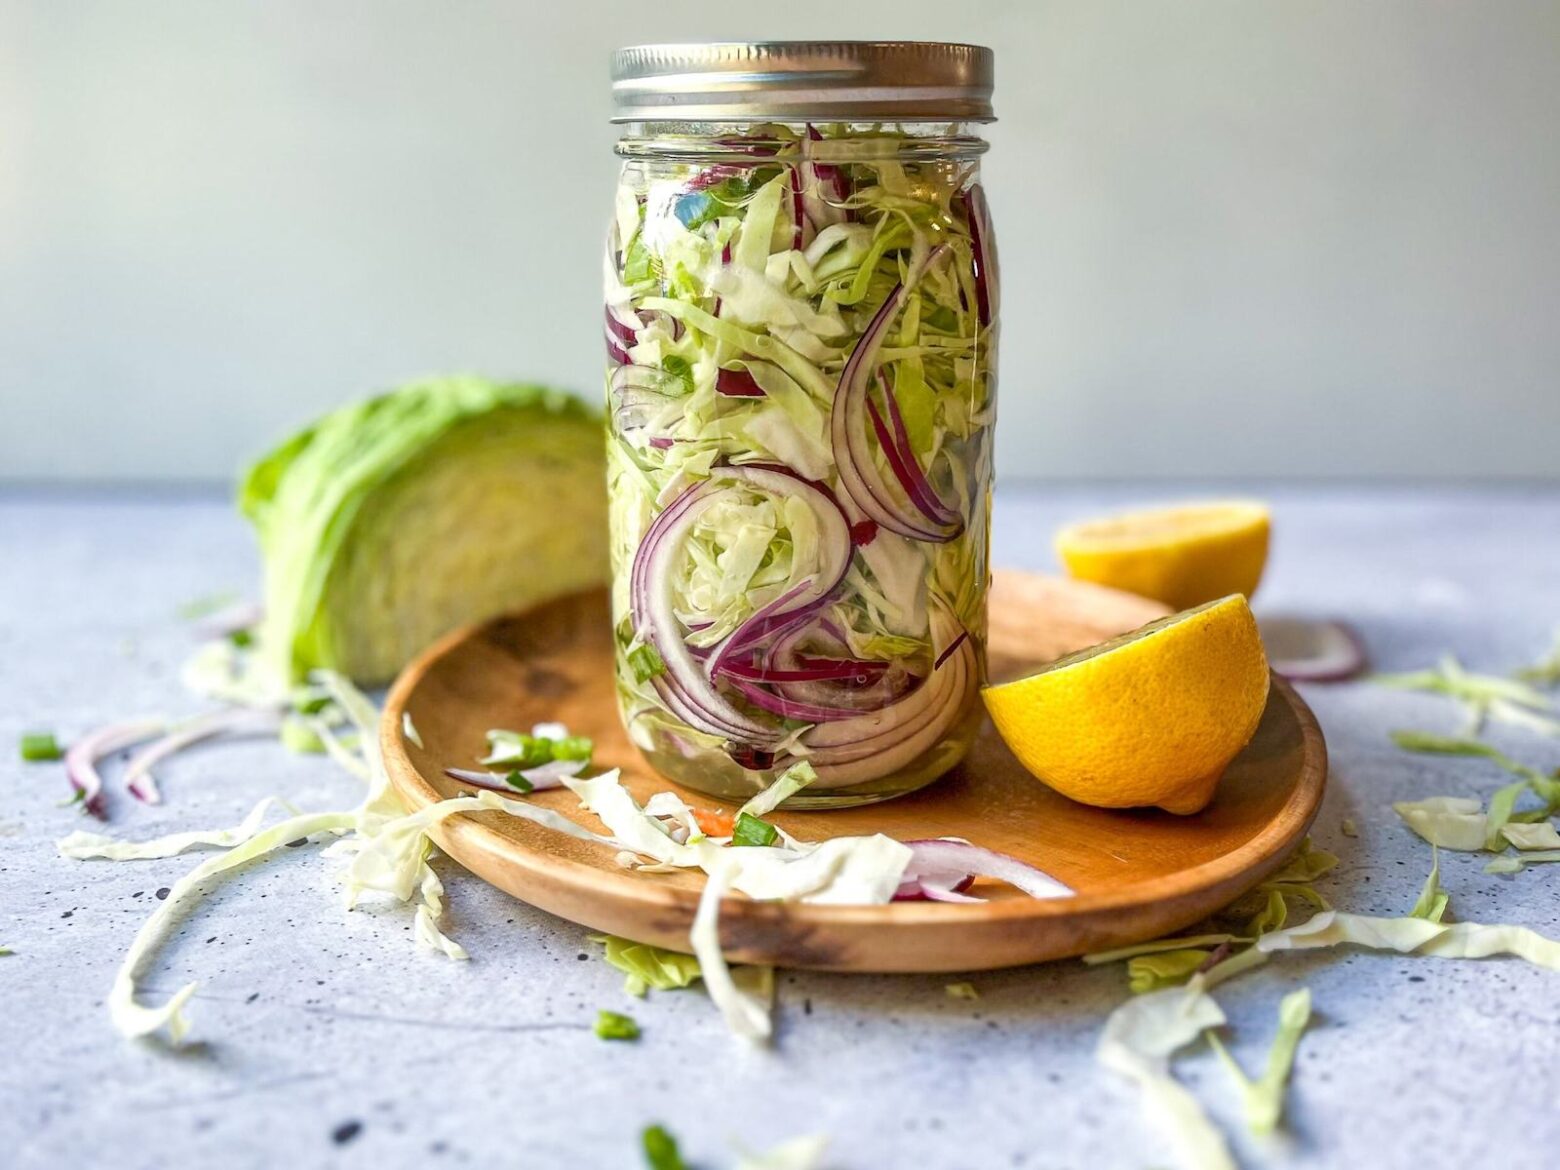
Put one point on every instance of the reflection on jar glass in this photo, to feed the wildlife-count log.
(801, 322)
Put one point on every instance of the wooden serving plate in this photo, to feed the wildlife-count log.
(1139, 874)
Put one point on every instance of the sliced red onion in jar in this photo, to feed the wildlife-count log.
(862, 684)
(824, 188)
(891, 737)
(801, 227)
(737, 384)
(983, 248)
(902, 462)
(687, 683)
(619, 328)
(850, 421)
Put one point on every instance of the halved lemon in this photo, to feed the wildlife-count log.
(1182, 555)
(1153, 717)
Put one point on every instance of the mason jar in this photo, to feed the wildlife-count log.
(801, 327)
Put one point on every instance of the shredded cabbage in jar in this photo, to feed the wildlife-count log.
(800, 341)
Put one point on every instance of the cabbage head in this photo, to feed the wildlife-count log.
(389, 522)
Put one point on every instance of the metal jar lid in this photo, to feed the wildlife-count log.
(843, 81)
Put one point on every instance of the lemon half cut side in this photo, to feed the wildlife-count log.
(1152, 717)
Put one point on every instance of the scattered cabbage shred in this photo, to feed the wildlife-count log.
(1143, 1034)
(388, 849)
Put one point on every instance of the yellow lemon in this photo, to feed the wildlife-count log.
(1153, 717)
(1183, 555)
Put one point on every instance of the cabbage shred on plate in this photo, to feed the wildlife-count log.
(800, 342)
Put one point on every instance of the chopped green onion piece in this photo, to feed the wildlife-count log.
(645, 662)
(616, 1026)
(519, 783)
(1546, 671)
(752, 831)
(531, 751)
(661, 1152)
(243, 639)
(310, 701)
(512, 747)
(679, 368)
(573, 747)
(40, 745)
(961, 991)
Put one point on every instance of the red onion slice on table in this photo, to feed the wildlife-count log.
(82, 757)
(1312, 650)
(239, 721)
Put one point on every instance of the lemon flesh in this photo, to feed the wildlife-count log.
(1183, 556)
(1153, 717)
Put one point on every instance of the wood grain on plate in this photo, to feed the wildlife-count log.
(1138, 874)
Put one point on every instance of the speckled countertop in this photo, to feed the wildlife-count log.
(325, 1039)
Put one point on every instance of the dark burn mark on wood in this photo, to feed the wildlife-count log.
(752, 932)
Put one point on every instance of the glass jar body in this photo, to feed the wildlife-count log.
(801, 388)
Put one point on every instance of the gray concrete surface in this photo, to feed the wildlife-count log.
(325, 1039)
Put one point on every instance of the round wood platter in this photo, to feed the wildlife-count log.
(1138, 874)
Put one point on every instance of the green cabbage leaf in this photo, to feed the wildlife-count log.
(390, 522)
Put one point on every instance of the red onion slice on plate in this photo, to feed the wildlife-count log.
(944, 865)
(542, 777)
(1307, 650)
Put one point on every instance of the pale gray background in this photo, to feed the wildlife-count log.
(1315, 238)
